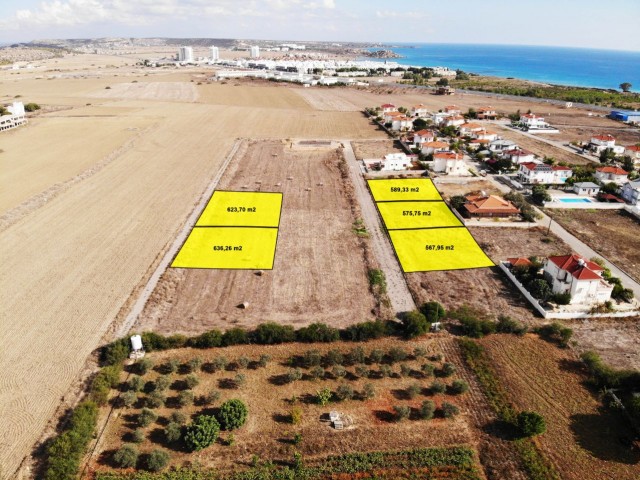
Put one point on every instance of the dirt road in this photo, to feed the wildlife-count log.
(397, 290)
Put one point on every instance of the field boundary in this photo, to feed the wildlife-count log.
(148, 289)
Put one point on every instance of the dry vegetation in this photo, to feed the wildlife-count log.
(583, 441)
(453, 188)
(269, 431)
(316, 246)
(375, 148)
(614, 236)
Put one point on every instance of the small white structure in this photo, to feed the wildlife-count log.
(137, 349)
(14, 118)
(579, 277)
(215, 54)
(185, 54)
(450, 163)
(631, 192)
(389, 107)
(391, 162)
(255, 51)
(586, 188)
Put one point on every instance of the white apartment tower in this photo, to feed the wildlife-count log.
(255, 51)
(215, 54)
(185, 54)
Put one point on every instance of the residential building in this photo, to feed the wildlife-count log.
(419, 111)
(522, 262)
(255, 51)
(487, 113)
(518, 156)
(452, 109)
(631, 192)
(599, 143)
(453, 121)
(215, 54)
(532, 173)
(488, 206)
(429, 148)
(611, 175)
(185, 54)
(14, 118)
(391, 162)
(389, 107)
(586, 188)
(579, 277)
(450, 163)
(532, 121)
(502, 145)
(634, 152)
(423, 136)
(467, 129)
(401, 123)
(389, 116)
(485, 135)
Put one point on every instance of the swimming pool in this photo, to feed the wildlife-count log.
(573, 200)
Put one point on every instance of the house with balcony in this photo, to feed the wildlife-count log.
(598, 143)
(518, 156)
(429, 148)
(423, 136)
(487, 113)
(419, 111)
(450, 163)
(532, 173)
(611, 175)
(579, 277)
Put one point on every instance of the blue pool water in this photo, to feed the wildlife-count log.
(574, 200)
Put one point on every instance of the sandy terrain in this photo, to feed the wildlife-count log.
(375, 148)
(316, 246)
(450, 189)
(164, 91)
(252, 94)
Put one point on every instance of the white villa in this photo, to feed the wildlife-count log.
(518, 156)
(433, 147)
(502, 145)
(391, 162)
(579, 277)
(634, 152)
(631, 192)
(424, 136)
(586, 188)
(537, 172)
(14, 118)
(602, 142)
(450, 163)
(611, 175)
(419, 111)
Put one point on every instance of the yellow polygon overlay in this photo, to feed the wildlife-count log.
(228, 248)
(242, 209)
(398, 215)
(393, 190)
(427, 250)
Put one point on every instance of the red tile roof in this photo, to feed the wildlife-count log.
(520, 262)
(633, 148)
(577, 266)
(478, 204)
(529, 165)
(557, 168)
(605, 138)
(388, 105)
(425, 133)
(448, 155)
(612, 170)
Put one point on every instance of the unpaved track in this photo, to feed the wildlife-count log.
(397, 290)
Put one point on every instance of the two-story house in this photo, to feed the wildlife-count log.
(580, 277)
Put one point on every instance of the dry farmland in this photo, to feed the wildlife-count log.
(583, 441)
(320, 270)
(272, 399)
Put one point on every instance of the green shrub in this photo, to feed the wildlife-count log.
(323, 396)
(106, 379)
(507, 325)
(235, 336)
(128, 399)
(318, 332)
(293, 375)
(311, 358)
(385, 371)
(561, 298)
(191, 381)
(264, 360)
(361, 371)
(361, 332)
(449, 410)
(477, 328)
(171, 366)
(433, 311)
(448, 369)
(242, 362)
(143, 365)
(344, 392)
(157, 460)
(405, 370)
(414, 390)
(556, 332)
(427, 369)
(154, 341)
(419, 352)
(194, 364)
(211, 397)
(178, 417)
(356, 355)
(162, 383)
(402, 412)
(136, 383)
(530, 424)
(437, 387)
(427, 410)
(173, 432)
(376, 356)
(239, 380)
(116, 352)
(377, 281)
(334, 357)
(271, 333)
(138, 435)
(368, 391)
(201, 433)
(155, 399)
(126, 456)
(147, 417)
(185, 398)
(414, 324)
(218, 363)
(459, 387)
(397, 354)
(210, 339)
(296, 415)
(233, 413)
(317, 372)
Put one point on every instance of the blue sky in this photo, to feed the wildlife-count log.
(587, 23)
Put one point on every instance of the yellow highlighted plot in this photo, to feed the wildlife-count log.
(434, 249)
(229, 248)
(397, 215)
(389, 190)
(242, 209)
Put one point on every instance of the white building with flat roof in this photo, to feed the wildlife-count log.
(14, 118)
(185, 54)
(215, 54)
(255, 51)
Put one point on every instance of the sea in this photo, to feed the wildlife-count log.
(579, 67)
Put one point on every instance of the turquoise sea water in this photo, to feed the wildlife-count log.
(557, 65)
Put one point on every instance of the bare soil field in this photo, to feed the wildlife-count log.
(375, 148)
(244, 93)
(615, 236)
(320, 269)
(31, 163)
(269, 431)
(487, 288)
(451, 189)
(576, 128)
(583, 441)
(163, 91)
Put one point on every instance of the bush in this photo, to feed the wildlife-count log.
(368, 391)
(323, 396)
(65, 452)
(143, 365)
(362, 371)
(194, 364)
(433, 311)
(242, 362)
(427, 410)
(402, 412)
(116, 352)
(334, 357)
(385, 371)
(128, 399)
(427, 369)
(508, 325)
(366, 331)
(448, 369)
(344, 392)
(235, 336)
(147, 417)
(201, 433)
(397, 354)
(271, 333)
(437, 387)
(339, 371)
(155, 399)
(126, 456)
(218, 363)
(211, 397)
(157, 460)
(414, 390)
(556, 332)
(376, 356)
(239, 380)
(185, 398)
(561, 298)
(153, 341)
(106, 379)
(138, 435)
(405, 370)
(31, 107)
(296, 415)
(162, 383)
(293, 375)
(173, 432)
(210, 339)
(317, 372)
(459, 387)
(318, 332)
(191, 381)
(477, 328)
(311, 358)
(419, 352)
(414, 324)
(356, 355)
(171, 366)
(377, 281)
(178, 417)
(264, 360)
(530, 424)
(233, 413)
(449, 410)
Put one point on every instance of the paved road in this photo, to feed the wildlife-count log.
(397, 289)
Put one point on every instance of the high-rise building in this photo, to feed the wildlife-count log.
(215, 54)
(255, 51)
(185, 54)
